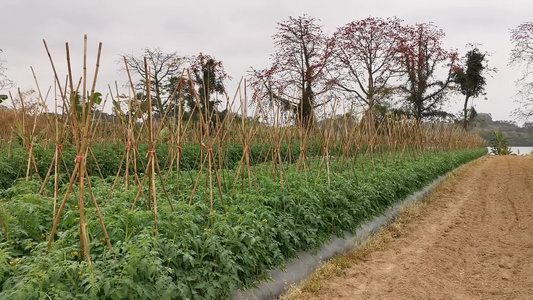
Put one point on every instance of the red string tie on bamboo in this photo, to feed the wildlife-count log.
(30, 147)
(302, 149)
(247, 148)
(128, 146)
(179, 148)
(326, 148)
(208, 149)
(150, 152)
(60, 148)
(358, 147)
(78, 159)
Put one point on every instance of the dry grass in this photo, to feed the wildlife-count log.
(45, 128)
(8, 118)
(381, 240)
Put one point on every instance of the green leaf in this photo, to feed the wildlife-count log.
(116, 105)
(96, 98)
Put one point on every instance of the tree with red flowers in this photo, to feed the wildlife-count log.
(422, 55)
(522, 54)
(297, 79)
(366, 56)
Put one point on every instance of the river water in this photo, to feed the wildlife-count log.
(519, 150)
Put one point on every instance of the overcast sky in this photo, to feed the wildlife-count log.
(239, 33)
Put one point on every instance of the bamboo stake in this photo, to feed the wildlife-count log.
(79, 172)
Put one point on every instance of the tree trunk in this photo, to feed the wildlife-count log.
(306, 107)
(419, 111)
(465, 114)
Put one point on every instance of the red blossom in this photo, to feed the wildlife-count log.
(422, 54)
(299, 65)
(366, 56)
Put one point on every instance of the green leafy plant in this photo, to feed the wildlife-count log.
(499, 144)
(198, 253)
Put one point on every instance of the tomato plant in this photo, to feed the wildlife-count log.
(197, 254)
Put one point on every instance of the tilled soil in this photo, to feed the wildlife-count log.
(473, 241)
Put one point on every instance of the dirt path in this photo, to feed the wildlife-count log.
(474, 241)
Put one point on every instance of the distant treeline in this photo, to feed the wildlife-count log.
(516, 135)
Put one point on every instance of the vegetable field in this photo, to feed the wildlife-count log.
(193, 204)
(198, 253)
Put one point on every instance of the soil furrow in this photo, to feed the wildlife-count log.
(473, 241)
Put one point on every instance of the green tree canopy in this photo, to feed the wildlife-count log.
(470, 80)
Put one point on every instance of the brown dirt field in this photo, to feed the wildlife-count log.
(474, 240)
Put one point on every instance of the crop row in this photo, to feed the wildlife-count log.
(106, 158)
(198, 253)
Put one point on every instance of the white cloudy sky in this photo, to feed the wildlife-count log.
(236, 32)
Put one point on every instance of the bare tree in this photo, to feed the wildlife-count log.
(522, 55)
(163, 68)
(5, 83)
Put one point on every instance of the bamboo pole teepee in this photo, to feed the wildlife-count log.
(80, 127)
